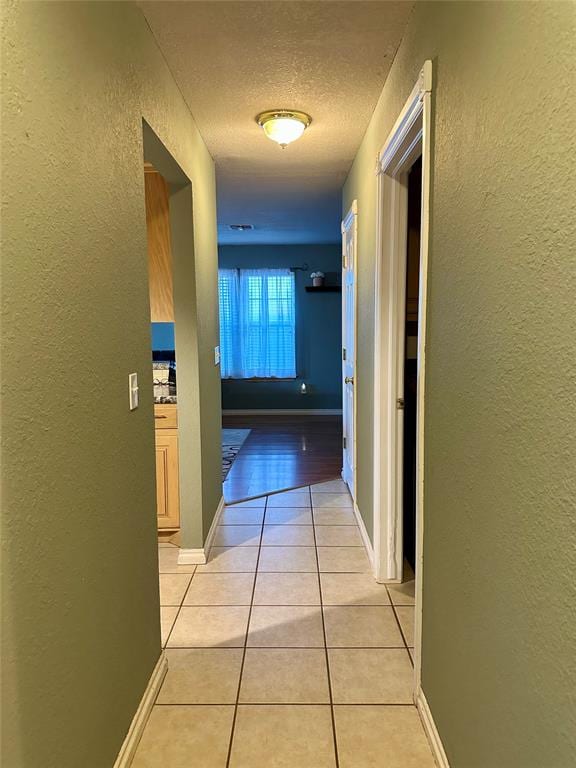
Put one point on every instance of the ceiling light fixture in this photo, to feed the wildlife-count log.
(283, 126)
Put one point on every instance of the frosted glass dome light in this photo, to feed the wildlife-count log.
(283, 126)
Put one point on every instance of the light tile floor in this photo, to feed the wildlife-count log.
(283, 652)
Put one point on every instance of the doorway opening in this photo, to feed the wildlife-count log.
(174, 373)
(160, 281)
(404, 174)
(279, 357)
(414, 208)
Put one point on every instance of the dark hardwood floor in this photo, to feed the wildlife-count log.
(283, 452)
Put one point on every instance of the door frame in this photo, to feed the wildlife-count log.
(351, 220)
(409, 139)
(190, 449)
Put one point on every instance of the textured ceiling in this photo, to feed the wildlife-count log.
(235, 59)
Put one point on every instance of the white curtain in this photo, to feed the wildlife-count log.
(257, 323)
(229, 296)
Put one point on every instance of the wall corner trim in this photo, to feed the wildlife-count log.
(130, 744)
(430, 729)
(200, 555)
(364, 534)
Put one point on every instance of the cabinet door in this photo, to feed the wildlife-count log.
(167, 497)
(159, 248)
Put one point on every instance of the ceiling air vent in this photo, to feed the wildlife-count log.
(241, 227)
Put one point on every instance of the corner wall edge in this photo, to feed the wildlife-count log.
(200, 555)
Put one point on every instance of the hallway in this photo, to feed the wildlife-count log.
(268, 208)
(282, 650)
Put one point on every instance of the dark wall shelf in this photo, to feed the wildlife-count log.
(324, 289)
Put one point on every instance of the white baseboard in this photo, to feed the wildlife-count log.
(215, 524)
(192, 556)
(430, 729)
(200, 555)
(128, 749)
(364, 534)
(283, 412)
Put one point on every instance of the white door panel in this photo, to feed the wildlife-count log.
(349, 247)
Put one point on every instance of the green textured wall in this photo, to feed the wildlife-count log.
(499, 624)
(79, 572)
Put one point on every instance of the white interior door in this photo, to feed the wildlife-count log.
(349, 246)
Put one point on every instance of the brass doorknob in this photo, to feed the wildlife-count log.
(349, 380)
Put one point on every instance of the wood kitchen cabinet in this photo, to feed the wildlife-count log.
(167, 482)
(159, 247)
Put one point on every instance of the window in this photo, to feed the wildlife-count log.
(257, 324)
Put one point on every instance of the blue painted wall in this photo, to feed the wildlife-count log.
(162, 336)
(318, 330)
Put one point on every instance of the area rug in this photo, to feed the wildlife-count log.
(232, 441)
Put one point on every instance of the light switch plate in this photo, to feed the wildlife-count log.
(133, 390)
(216, 355)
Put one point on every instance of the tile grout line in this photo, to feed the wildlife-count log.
(280, 704)
(332, 717)
(291, 647)
(165, 646)
(284, 605)
(351, 573)
(289, 525)
(229, 756)
(179, 605)
(284, 546)
(399, 627)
